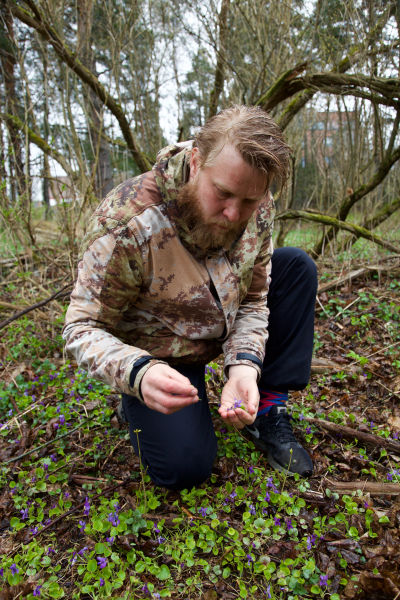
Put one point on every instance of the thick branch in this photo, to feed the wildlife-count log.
(344, 65)
(362, 191)
(49, 34)
(337, 224)
(379, 90)
(36, 139)
(379, 217)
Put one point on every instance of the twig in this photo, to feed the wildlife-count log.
(354, 434)
(370, 487)
(37, 305)
(32, 450)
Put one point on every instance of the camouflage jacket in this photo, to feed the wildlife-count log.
(142, 288)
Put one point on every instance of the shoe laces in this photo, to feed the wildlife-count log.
(280, 426)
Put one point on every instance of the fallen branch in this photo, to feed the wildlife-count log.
(335, 223)
(371, 487)
(354, 434)
(330, 285)
(33, 306)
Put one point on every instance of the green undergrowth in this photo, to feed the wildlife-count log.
(83, 521)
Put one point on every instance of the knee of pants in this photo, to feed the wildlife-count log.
(180, 472)
(304, 262)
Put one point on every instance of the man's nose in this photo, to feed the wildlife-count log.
(231, 211)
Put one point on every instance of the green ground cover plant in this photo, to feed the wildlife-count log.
(80, 518)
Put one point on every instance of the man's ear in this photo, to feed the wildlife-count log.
(194, 162)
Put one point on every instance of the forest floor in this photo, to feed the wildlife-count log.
(80, 519)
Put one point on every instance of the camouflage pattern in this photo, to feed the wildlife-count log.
(143, 289)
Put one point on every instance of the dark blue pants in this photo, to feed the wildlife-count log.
(178, 450)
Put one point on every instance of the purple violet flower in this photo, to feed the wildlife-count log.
(323, 580)
(14, 569)
(203, 511)
(36, 591)
(102, 562)
(24, 513)
(102, 582)
(86, 508)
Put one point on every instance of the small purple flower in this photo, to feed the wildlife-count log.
(53, 458)
(66, 494)
(308, 429)
(102, 562)
(251, 470)
(56, 425)
(36, 591)
(89, 387)
(289, 524)
(82, 551)
(14, 569)
(110, 539)
(145, 589)
(33, 530)
(102, 582)
(249, 559)
(238, 404)
(269, 592)
(62, 419)
(203, 511)
(389, 476)
(301, 417)
(86, 507)
(252, 509)
(323, 580)
(1, 571)
(267, 497)
(82, 525)
(113, 519)
(160, 539)
(311, 541)
(24, 513)
(277, 521)
(233, 495)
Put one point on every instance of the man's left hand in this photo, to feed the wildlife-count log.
(240, 396)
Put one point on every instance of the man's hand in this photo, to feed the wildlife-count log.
(164, 389)
(240, 396)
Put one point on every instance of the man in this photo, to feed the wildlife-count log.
(177, 268)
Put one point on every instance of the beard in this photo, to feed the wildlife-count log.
(207, 234)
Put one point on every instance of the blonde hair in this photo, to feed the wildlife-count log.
(254, 134)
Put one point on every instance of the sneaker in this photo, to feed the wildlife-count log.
(121, 413)
(273, 434)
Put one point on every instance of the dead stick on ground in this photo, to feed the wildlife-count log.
(372, 487)
(37, 305)
(354, 434)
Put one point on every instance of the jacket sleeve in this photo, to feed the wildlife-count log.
(108, 281)
(246, 341)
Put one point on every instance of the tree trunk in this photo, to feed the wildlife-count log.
(100, 148)
(8, 63)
